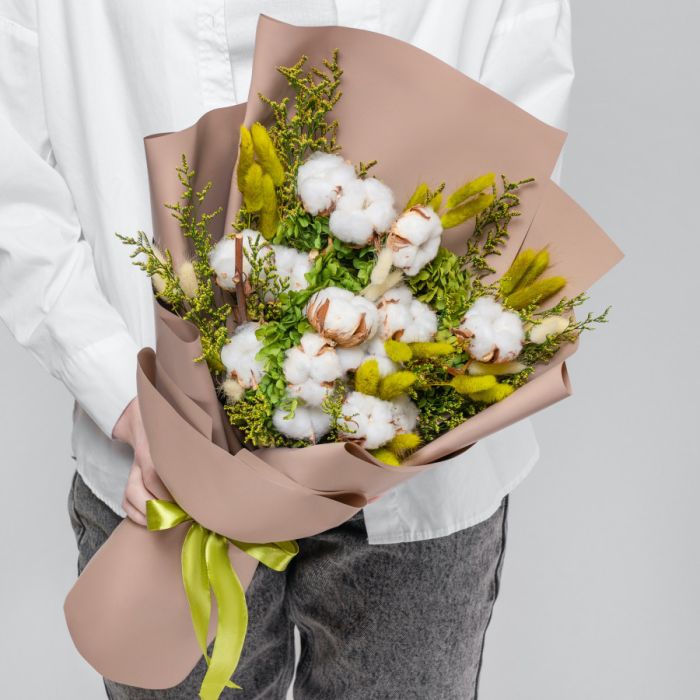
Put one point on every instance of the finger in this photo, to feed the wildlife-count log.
(133, 513)
(136, 492)
(154, 484)
(152, 481)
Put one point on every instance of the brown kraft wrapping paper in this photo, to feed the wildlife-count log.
(420, 118)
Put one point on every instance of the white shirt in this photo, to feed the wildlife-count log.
(81, 84)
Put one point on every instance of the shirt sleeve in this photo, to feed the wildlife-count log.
(529, 59)
(50, 297)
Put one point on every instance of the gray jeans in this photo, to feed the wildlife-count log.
(376, 622)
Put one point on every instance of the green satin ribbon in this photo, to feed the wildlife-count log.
(206, 569)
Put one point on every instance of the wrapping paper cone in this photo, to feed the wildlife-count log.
(128, 612)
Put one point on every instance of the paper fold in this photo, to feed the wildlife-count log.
(422, 120)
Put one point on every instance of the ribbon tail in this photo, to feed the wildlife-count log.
(274, 555)
(232, 618)
(196, 582)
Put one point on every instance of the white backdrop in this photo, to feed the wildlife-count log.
(599, 591)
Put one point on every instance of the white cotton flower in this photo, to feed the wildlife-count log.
(364, 207)
(376, 351)
(405, 414)
(223, 257)
(292, 265)
(321, 178)
(415, 239)
(367, 420)
(403, 317)
(379, 204)
(307, 423)
(351, 358)
(311, 368)
(496, 335)
(342, 317)
(239, 356)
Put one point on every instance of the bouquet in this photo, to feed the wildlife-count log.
(346, 293)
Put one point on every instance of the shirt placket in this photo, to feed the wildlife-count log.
(216, 79)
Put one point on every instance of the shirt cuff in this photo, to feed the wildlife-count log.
(102, 378)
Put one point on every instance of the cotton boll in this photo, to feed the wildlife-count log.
(402, 317)
(376, 351)
(351, 358)
(482, 343)
(379, 204)
(423, 326)
(223, 261)
(369, 421)
(487, 308)
(405, 415)
(394, 319)
(401, 295)
(342, 317)
(415, 239)
(508, 335)
(239, 356)
(292, 265)
(311, 392)
(495, 335)
(308, 423)
(223, 257)
(320, 179)
(363, 208)
(311, 368)
(351, 226)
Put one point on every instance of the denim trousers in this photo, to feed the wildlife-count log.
(378, 622)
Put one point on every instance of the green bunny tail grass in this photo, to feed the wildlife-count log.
(515, 273)
(404, 443)
(535, 293)
(367, 377)
(494, 394)
(425, 350)
(467, 384)
(539, 264)
(435, 202)
(252, 188)
(386, 456)
(397, 351)
(269, 218)
(418, 196)
(468, 210)
(470, 189)
(394, 385)
(246, 156)
(266, 153)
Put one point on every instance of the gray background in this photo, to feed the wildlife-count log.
(600, 584)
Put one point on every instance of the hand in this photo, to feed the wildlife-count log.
(143, 483)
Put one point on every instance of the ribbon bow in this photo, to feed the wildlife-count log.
(206, 568)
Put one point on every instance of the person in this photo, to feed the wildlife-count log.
(394, 603)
